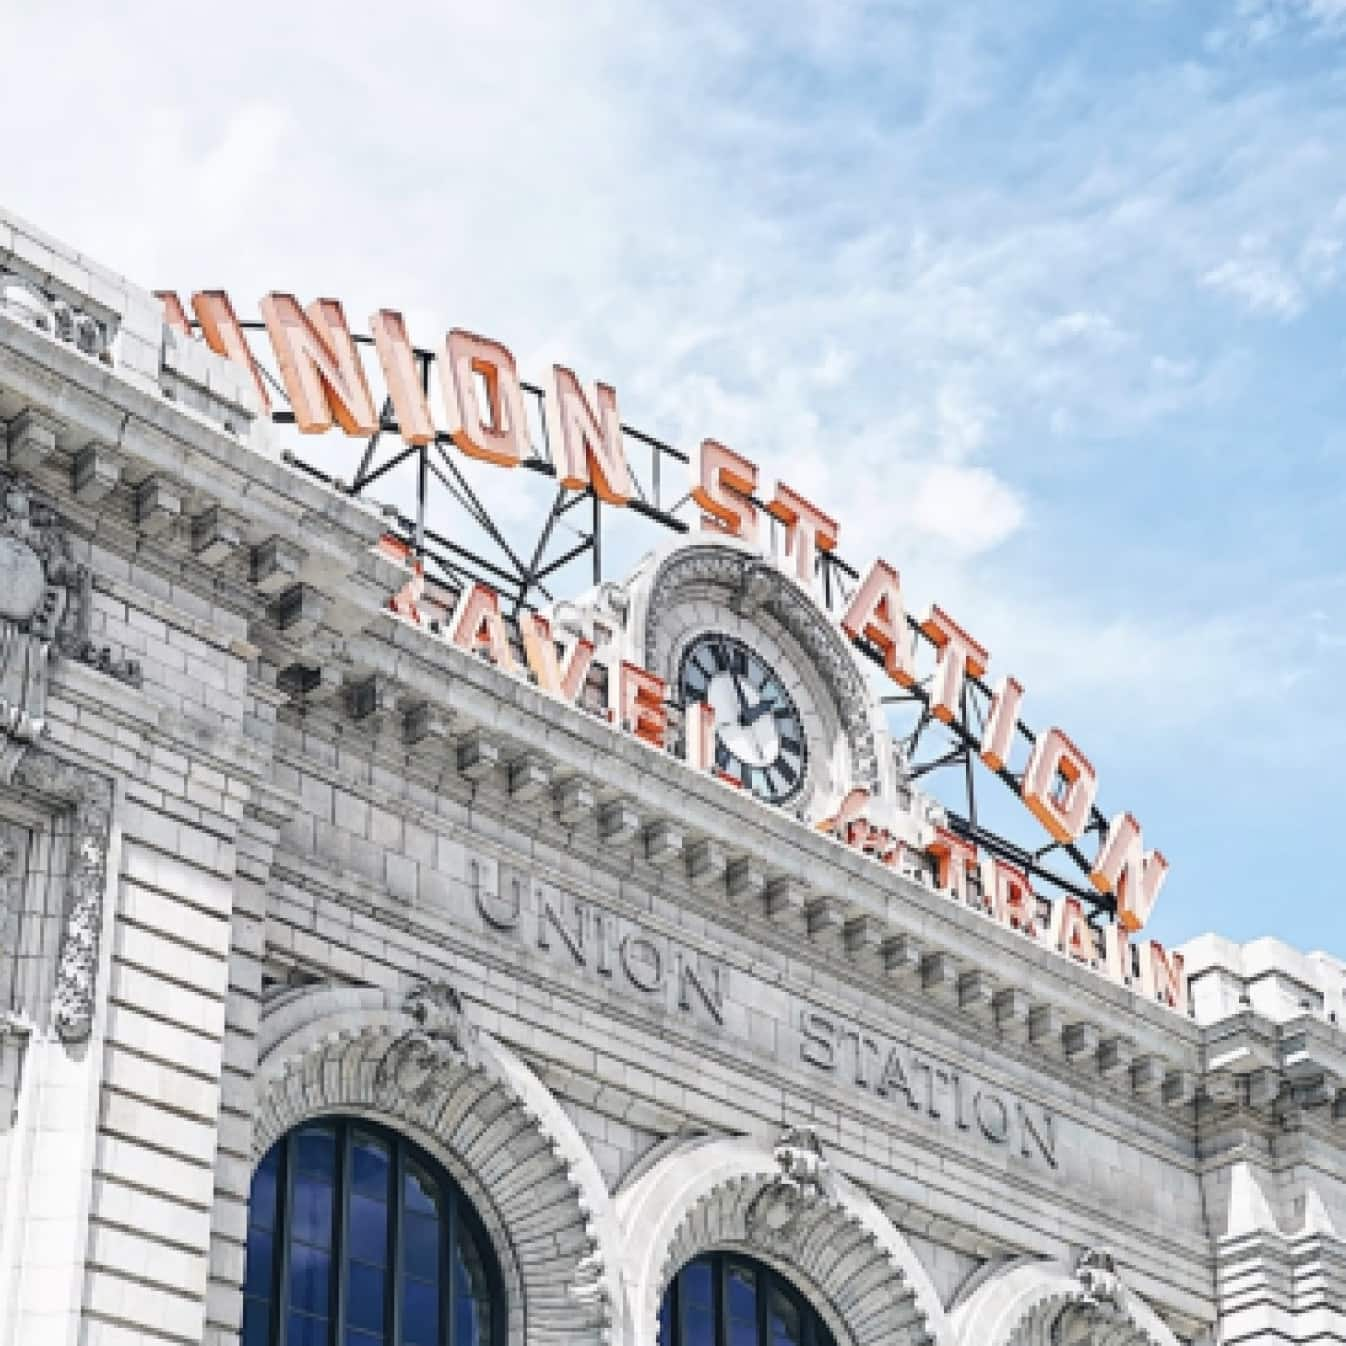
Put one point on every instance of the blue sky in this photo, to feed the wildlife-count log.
(1065, 279)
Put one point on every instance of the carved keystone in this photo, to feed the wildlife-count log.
(276, 564)
(216, 536)
(477, 755)
(94, 473)
(31, 440)
(157, 505)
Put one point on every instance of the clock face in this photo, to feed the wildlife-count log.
(759, 737)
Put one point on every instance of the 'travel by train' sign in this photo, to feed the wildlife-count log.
(322, 376)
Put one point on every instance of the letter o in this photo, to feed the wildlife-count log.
(637, 973)
(998, 1132)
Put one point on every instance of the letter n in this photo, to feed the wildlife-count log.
(319, 365)
(586, 446)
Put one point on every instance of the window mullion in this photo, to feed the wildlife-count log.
(340, 1241)
(718, 1298)
(764, 1280)
(395, 1265)
(448, 1292)
(281, 1253)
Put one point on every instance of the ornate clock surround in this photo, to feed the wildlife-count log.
(698, 586)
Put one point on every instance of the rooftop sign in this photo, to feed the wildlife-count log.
(932, 662)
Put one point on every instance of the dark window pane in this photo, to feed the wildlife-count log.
(468, 1268)
(301, 1330)
(472, 1296)
(783, 1325)
(740, 1293)
(367, 1230)
(421, 1193)
(698, 1326)
(357, 1338)
(695, 1283)
(420, 1246)
(312, 1217)
(261, 1258)
(470, 1327)
(369, 1167)
(740, 1303)
(420, 1314)
(310, 1278)
(256, 1322)
(315, 1149)
(365, 1297)
(665, 1337)
(262, 1199)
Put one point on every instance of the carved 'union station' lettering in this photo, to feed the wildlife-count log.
(582, 935)
(927, 1086)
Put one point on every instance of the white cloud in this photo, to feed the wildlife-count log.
(966, 507)
(1260, 282)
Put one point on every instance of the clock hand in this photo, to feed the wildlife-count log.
(750, 717)
(733, 677)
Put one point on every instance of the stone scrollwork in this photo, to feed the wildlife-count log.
(27, 301)
(88, 799)
(1097, 1274)
(45, 609)
(750, 585)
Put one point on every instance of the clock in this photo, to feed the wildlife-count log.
(759, 733)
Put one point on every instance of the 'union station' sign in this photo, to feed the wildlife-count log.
(327, 386)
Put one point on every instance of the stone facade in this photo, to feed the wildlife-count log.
(634, 1013)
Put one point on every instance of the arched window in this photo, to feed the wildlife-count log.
(726, 1299)
(358, 1238)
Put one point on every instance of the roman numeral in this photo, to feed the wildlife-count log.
(786, 770)
(720, 655)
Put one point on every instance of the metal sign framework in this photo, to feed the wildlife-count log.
(519, 571)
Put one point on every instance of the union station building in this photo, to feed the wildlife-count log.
(387, 959)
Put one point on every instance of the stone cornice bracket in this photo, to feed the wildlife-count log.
(804, 1179)
(89, 799)
(443, 1036)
